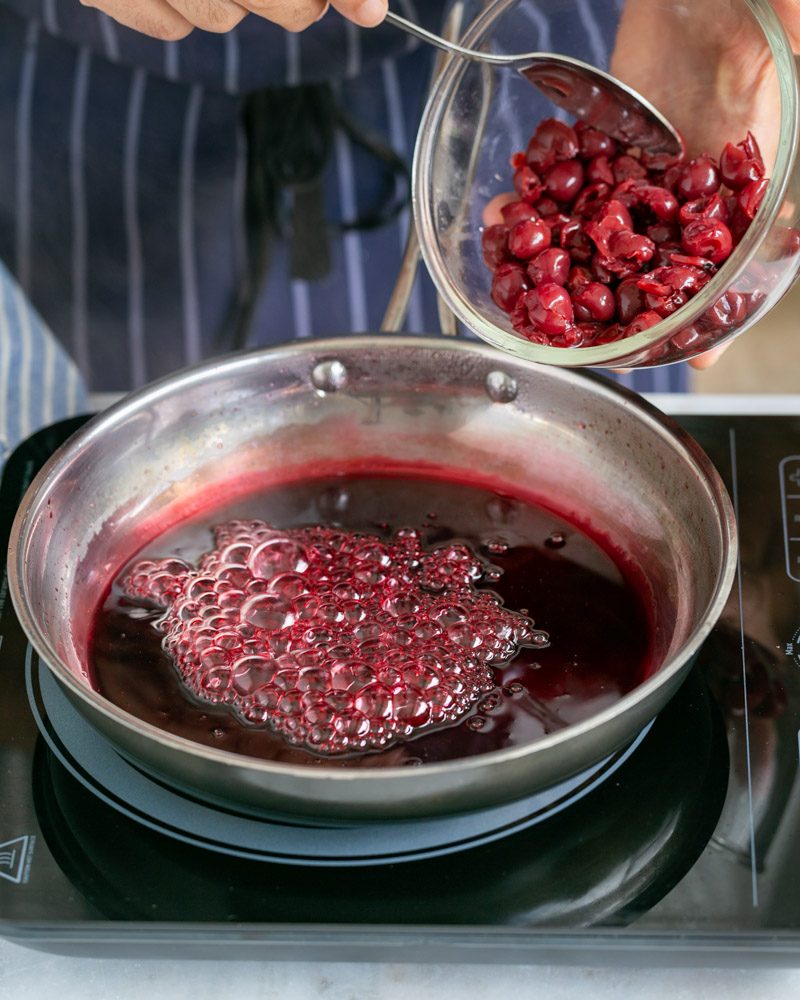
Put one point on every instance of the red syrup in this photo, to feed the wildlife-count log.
(368, 621)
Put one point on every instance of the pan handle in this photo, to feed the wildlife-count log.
(397, 307)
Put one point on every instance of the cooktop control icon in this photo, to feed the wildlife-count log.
(792, 648)
(789, 471)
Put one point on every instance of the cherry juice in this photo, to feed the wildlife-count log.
(368, 620)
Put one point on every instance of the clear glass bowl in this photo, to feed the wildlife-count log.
(478, 115)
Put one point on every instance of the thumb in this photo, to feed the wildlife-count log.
(366, 13)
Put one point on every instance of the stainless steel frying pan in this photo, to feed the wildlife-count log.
(587, 445)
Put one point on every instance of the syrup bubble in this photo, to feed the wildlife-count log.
(235, 554)
(340, 641)
(253, 672)
(278, 555)
(497, 547)
(287, 585)
(267, 612)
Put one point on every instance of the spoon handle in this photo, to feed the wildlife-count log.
(441, 43)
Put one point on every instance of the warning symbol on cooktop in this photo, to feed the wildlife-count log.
(15, 859)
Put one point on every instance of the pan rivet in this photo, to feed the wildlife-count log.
(328, 376)
(501, 387)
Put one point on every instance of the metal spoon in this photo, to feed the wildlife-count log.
(580, 89)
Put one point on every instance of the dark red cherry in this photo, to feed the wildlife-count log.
(750, 197)
(592, 142)
(517, 211)
(550, 308)
(741, 164)
(564, 180)
(700, 177)
(528, 238)
(594, 301)
(494, 240)
(550, 266)
(508, 283)
(527, 184)
(630, 299)
(642, 322)
(708, 238)
(551, 142)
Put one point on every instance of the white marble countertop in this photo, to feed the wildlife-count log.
(755, 404)
(29, 975)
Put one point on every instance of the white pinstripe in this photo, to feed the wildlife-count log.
(593, 33)
(399, 140)
(660, 378)
(188, 263)
(48, 378)
(72, 390)
(353, 252)
(238, 197)
(22, 247)
(132, 229)
(50, 15)
(409, 12)
(171, 60)
(5, 365)
(26, 361)
(292, 59)
(352, 38)
(301, 309)
(231, 61)
(544, 40)
(80, 330)
(109, 33)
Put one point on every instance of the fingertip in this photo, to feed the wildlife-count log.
(173, 32)
(492, 211)
(703, 361)
(369, 13)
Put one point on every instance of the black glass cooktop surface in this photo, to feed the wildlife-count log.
(680, 849)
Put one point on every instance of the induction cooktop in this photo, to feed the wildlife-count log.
(682, 848)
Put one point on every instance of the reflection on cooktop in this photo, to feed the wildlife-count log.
(606, 858)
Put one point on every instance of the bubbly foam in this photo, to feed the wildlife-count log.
(340, 641)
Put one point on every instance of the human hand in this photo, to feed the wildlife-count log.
(707, 67)
(172, 20)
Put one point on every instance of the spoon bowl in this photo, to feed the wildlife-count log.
(582, 90)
